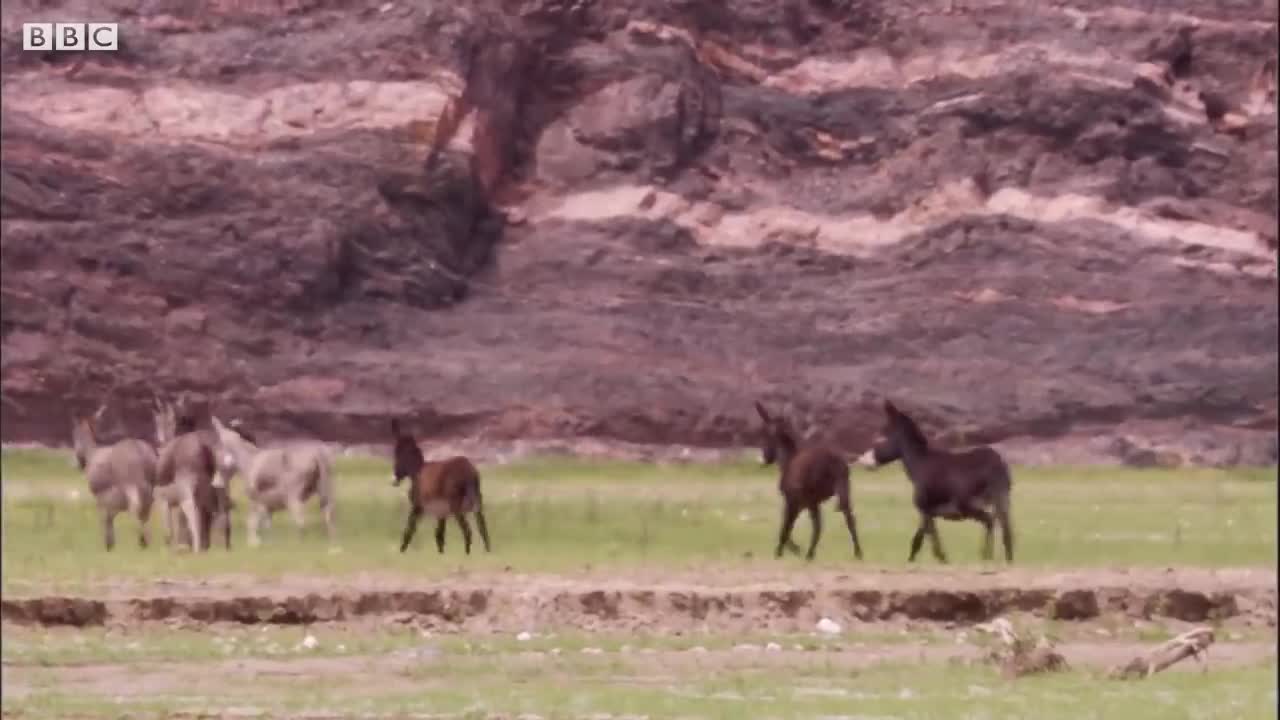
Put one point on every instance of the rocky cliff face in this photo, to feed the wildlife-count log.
(1050, 224)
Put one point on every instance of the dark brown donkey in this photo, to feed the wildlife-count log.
(962, 485)
(807, 477)
(440, 489)
(186, 480)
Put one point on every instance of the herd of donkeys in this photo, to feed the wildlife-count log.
(189, 472)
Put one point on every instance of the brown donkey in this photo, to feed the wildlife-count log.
(807, 477)
(440, 489)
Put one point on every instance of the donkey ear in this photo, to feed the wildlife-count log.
(890, 408)
(764, 414)
(395, 427)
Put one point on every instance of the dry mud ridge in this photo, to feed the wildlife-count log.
(511, 603)
(1022, 220)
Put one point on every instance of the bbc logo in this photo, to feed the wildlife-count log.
(70, 36)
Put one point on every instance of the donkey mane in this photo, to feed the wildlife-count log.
(407, 447)
(911, 432)
(786, 436)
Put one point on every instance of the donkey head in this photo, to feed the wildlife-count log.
(82, 440)
(408, 456)
(777, 437)
(165, 421)
(898, 432)
(236, 447)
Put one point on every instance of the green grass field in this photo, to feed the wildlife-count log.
(563, 516)
(570, 518)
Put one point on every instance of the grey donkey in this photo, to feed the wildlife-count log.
(120, 475)
(276, 478)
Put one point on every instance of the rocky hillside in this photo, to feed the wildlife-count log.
(1047, 224)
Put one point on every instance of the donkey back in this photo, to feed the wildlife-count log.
(445, 487)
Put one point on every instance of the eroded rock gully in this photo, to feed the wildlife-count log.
(1017, 219)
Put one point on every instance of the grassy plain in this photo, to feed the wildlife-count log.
(557, 517)
(561, 516)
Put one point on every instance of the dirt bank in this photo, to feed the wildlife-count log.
(516, 603)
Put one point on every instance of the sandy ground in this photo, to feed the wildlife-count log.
(388, 673)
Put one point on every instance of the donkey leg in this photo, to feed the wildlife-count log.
(1006, 530)
(440, 535)
(935, 542)
(845, 503)
(298, 512)
(852, 524)
(327, 508)
(917, 540)
(224, 516)
(484, 531)
(177, 530)
(108, 527)
(789, 512)
(410, 527)
(256, 512)
(815, 514)
(192, 514)
(169, 539)
(988, 534)
(140, 508)
(466, 531)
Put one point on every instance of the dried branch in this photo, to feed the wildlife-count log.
(1193, 643)
(1018, 655)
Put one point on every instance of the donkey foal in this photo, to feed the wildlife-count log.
(439, 489)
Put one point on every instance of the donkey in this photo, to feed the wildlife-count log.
(807, 477)
(120, 477)
(440, 489)
(185, 479)
(960, 485)
(213, 504)
(279, 477)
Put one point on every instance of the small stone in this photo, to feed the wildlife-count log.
(827, 626)
(524, 636)
(773, 647)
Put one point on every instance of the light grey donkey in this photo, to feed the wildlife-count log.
(120, 476)
(281, 477)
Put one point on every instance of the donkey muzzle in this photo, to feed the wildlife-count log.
(867, 459)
